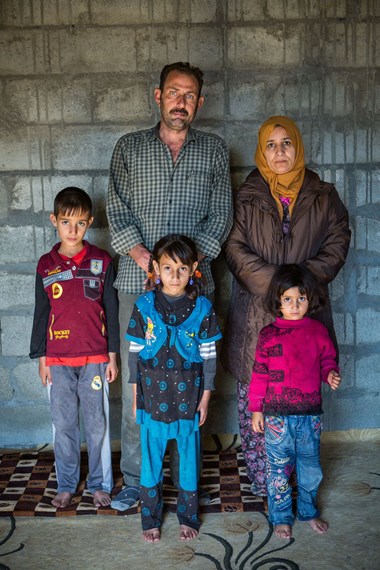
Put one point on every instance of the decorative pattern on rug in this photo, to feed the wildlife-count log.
(28, 484)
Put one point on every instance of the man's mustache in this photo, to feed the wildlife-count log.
(180, 111)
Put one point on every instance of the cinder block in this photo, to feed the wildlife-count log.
(214, 105)
(24, 148)
(101, 238)
(263, 47)
(169, 12)
(4, 185)
(242, 149)
(168, 45)
(338, 36)
(90, 50)
(246, 11)
(360, 225)
(44, 12)
(368, 281)
(344, 328)
(6, 389)
(338, 95)
(99, 201)
(122, 100)
(16, 245)
(247, 99)
(20, 193)
(367, 327)
(17, 52)
(198, 11)
(29, 384)
(24, 426)
(373, 233)
(16, 290)
(15, 335)
(122, 12)
(367, 376)
(82, 148)
(336, 9)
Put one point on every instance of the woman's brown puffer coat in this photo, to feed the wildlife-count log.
(318, 238)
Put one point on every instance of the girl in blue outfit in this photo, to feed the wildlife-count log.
(172, 359)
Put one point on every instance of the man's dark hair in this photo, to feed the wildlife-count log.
(71, 200)
(182, 67)
(293, 275)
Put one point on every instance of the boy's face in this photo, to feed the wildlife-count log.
(71, 229)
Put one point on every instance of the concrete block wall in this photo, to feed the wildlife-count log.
(75, 76)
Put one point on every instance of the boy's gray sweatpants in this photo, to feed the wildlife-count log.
(83, 386)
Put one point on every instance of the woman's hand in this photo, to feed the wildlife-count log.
(258, 422)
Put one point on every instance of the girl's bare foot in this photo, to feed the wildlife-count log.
(62, 500)
(101, 498)
(283, 531)
(186, 532)
(152, 535)
(318, 525)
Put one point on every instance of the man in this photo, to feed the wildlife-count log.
(168, 179)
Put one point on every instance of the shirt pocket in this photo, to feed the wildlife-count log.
(91, 288)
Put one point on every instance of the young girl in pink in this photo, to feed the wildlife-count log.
(294, 355)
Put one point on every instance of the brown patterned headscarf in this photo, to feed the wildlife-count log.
(287, 185)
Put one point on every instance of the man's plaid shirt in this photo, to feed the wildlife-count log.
(150, 197)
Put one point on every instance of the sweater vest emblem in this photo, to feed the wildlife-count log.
(56, 290)
(96, 266)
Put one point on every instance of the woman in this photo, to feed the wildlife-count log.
(284, 213)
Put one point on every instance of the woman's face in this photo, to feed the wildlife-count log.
(280, 152)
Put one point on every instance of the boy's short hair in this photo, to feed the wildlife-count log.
(72, 199)
(182, 67)
(293, 275)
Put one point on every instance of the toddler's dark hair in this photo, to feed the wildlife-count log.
(293, 275)
(180, 247)
(71, 200)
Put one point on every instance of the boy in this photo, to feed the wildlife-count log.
(76, 337)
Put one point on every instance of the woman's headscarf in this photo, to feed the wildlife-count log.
(287, 185)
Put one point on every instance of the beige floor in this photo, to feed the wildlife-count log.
(349, 499)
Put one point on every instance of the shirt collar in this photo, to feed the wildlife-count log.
(154, 134)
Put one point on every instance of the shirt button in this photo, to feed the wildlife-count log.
(74, 267)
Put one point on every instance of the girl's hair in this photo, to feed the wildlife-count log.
(293, 275)
(71, 200)
(180, 247)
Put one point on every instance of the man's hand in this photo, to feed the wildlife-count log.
(141, 255)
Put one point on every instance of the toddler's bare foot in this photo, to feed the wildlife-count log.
(152, 535)
(283, 531)
(62, 500)
(101, 498)
(186, 532)
(319, 525)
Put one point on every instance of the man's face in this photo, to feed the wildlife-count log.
(178, 100)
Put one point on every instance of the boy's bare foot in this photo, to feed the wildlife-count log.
(186, 532)
(283, 531)
(101, 498)
(62, 500)
(318, 525)
(152, 535)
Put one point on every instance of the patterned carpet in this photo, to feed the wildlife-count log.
(28, 484)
